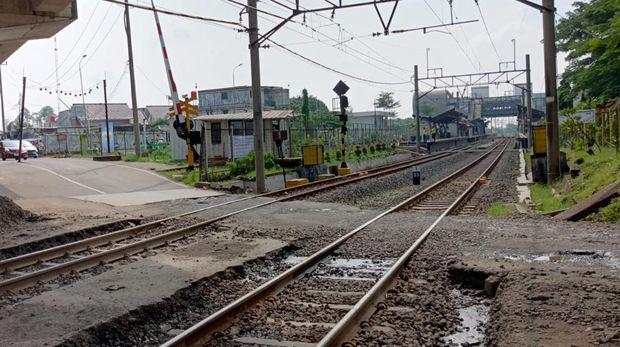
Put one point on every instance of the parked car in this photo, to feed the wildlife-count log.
(32, 150)
(10, 149)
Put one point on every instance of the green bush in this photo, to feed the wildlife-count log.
(247, 164)
(270, 161)
(219, 176)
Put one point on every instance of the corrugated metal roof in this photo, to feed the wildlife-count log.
(268, 114)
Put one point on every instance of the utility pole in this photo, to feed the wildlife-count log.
(528, 81)
(21, 121)
(132, 80)
(427, 62)
(256, 96)
(56, 73)
(2, 103)
(514, 53)
(84, 104)
(416, 99)
(107, 118)
(551, 92)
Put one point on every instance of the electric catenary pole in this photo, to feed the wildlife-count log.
(551, 92)
(132, 80)
(257, 107)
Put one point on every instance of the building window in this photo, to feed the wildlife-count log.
(224, 111)
(237, 127)
(224, 95)
(216, 133)
(241, 128)
(249, 128)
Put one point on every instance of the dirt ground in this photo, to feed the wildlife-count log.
(476, 280)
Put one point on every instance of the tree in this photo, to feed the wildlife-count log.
(427, 109)
(315, 106)
(319, 114)
(44, 113)
(590, 35)
(305, 109)
(39, 118)
(386, 101)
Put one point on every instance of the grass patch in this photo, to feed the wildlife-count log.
(161, 155)
(609, 213)
(597, 172)
(499, 210)
(545, 200)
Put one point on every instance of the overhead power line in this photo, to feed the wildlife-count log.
(486, 28)
(361, 79)
(337, 42)
(451, 34)
(174, 13)
(91, 55)
(90, 18)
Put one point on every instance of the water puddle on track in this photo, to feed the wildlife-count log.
(578, 256)
(347, 268)
(474, 316)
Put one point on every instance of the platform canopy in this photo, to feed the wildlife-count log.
(24, 20)
(448, 116)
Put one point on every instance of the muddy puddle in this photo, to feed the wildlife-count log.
(575, 256)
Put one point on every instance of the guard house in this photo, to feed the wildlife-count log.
(449, 123)
(231, 135)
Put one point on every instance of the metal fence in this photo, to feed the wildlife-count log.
(75, 140)
(357, 134)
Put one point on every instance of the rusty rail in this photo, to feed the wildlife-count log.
(201, 332)
(53, 270)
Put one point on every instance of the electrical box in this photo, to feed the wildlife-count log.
(312, 154)
(416, 177)
(539, 141)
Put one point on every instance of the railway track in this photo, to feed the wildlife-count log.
(321, 272)
(29, 269)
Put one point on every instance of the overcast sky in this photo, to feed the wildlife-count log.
(204, 55)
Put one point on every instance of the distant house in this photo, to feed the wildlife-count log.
(152, 113)
(51, 121)
(76, 116)
(231, 135)
(376, 120)
(239, 99)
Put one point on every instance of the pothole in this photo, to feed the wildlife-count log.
(473, 295)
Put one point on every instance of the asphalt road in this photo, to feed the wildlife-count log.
(51, 177)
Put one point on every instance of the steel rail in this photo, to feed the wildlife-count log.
(347, 326)
(28, 279)
(14, 263)
(200, 333)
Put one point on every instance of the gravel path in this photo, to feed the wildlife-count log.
(391, 189)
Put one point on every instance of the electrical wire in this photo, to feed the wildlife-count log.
(120, 79)
(90, 18)
(91, 55)
(150, 81)
(486, 28)
(340, 49)
(348, 32)
(361, 79)
(331, 39)
(471, 47)
(173, 13)
(451, 34)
